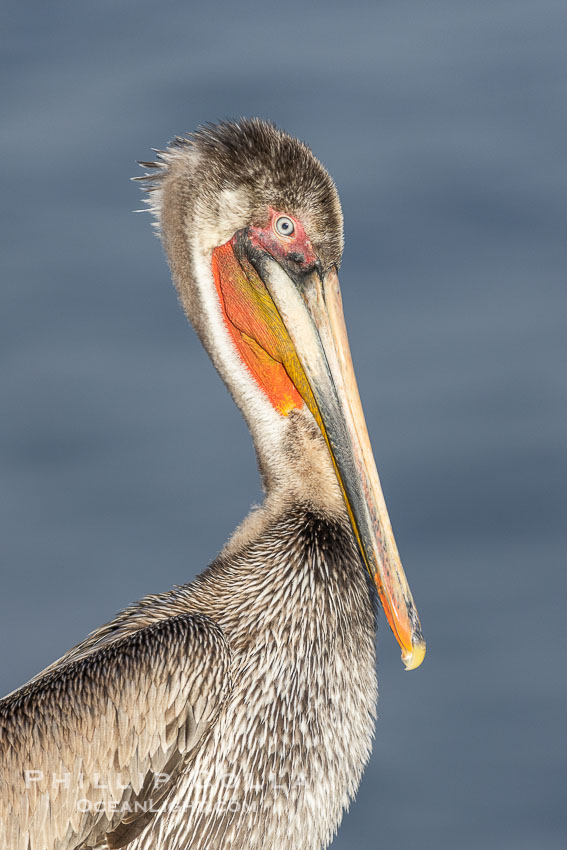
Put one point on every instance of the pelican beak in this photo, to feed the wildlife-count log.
(310, 307)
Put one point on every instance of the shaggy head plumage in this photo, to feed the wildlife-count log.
(235, 171)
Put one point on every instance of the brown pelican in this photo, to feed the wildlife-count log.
(236, 711)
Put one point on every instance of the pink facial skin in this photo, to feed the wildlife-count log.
(296, 247)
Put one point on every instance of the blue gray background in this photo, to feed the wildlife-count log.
(124, 464)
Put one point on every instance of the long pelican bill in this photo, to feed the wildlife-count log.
(290, 330)
(313, 316)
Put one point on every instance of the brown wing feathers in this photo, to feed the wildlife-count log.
(95, 733)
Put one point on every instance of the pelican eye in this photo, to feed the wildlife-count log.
(284, 226)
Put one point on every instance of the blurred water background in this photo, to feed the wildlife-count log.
(123, 463)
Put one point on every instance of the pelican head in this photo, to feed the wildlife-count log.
(252, 226)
